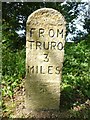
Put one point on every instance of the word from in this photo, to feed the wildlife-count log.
(41, 32)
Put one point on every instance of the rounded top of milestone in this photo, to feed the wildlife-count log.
(47, 13)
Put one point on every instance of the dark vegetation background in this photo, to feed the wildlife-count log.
(75, 88)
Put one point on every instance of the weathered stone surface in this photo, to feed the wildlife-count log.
(45, 39)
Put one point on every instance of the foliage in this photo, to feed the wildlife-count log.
(13, 69)
(76, 84)
(15, 14)
(13, 62)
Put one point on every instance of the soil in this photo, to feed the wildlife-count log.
(15, 108)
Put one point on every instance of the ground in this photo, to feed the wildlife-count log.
(15, 108)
